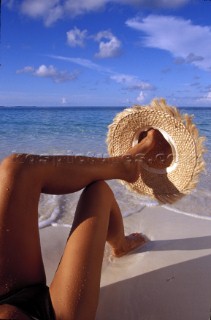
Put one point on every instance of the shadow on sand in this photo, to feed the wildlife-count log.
(180, 291)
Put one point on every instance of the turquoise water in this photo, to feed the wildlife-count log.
(54, 130)
(83, 130)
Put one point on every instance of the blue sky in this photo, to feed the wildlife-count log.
(105, 53)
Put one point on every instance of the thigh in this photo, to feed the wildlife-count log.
(20, 253)
(75, 287)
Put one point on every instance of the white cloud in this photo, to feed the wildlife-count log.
(141, 85)
(140, 97)
(51, 72)
(64, 100)
(209, 96)
(77, 7)
(52, 10)
(83, 63)
(109, 45)
(131, 82)
(189, 59)
(53, 15)
(123, 78)
(206, 99)
(44, 71)
(37, 8)
(191, 43)
(155, 3)
(109, 48)
(76, 37)
(25, 70)
(49, 10)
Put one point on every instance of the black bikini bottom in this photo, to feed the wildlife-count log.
(34, 301)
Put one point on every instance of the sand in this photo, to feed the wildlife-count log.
(168, 278)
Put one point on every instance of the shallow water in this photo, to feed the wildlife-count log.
(83, 131)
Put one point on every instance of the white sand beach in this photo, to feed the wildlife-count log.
(168, 278)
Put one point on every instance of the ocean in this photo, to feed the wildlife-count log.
(82, 131)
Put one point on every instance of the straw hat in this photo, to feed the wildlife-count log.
(166, 179)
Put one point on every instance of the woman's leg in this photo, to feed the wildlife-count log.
(66, 174)
(21, 183)
(20, 254)
(22, 179)
(75, 287)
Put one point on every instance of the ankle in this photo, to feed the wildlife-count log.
(131, 168)
(117, 243)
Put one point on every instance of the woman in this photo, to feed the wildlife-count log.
(74, 291)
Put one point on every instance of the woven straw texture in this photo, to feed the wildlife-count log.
(166, 187)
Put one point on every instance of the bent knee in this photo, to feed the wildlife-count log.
(10, 165)
(100, 186)
(13, 163)
(13, 168)
(13, 160)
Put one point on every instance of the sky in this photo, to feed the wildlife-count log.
(105, 53)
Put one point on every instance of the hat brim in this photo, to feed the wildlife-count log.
(170, 184)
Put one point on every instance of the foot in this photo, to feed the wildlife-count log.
(133, 157)
(147, 141)
(160, 155)
(130, 243)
